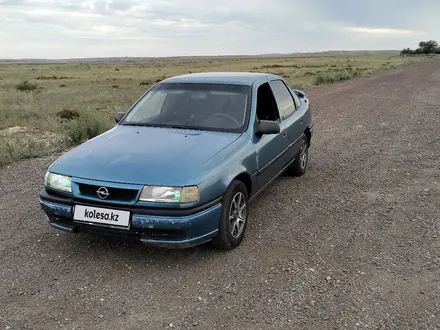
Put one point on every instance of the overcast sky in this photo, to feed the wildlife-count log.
(95, 28)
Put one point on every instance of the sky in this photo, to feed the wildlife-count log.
(113, 28)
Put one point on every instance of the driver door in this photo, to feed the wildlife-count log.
(270, 149)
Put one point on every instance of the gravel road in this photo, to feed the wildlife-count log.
(353, 244)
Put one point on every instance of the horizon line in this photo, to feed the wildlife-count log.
(186, 56)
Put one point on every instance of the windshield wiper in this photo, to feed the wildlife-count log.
(138, 124)
(151, 125)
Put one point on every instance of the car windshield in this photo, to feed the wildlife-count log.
(219, 107)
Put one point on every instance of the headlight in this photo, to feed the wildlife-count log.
(170, 194)
(58, 182)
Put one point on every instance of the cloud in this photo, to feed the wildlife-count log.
(86, 28)
(381, 31)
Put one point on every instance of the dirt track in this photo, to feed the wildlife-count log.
(355, 243)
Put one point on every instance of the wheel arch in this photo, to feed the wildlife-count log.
(308, 134)
(244, 177)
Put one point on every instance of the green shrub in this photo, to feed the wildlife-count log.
(87, 127)
(26, 86)
(357, 73)
(324, 79)
(68, 114)
(11, 151)
(275, 66)
(6, 152)
(328, 78)
(340, 76)
(145, 83)
(23, 146)
(297, 84)
(47, 78)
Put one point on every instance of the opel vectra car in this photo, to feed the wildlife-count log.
(182, 164)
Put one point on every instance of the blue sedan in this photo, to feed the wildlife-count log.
(182, 164)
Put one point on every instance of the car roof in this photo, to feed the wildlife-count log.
(229, 78)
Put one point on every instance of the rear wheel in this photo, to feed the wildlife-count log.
(233, 219)
(298, 167)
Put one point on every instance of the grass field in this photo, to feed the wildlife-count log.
(32, 96)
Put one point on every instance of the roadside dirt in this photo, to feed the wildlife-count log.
(355, 243)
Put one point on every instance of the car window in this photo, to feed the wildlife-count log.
(154, 102)
(220, 107)
(295, 97)
(266, 104)
(284, 99)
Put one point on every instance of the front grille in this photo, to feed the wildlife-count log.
(115, 194)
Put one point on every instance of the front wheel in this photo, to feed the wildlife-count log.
(233, 219)
(298, 167)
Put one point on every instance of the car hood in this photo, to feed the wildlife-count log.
(143, 155)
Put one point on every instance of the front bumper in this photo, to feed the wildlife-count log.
(177, 228)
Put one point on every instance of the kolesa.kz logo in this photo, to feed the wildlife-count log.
(101, 216)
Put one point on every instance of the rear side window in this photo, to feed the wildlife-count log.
(295, 97)
(286, 105)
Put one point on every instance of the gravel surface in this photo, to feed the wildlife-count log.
(354, 243)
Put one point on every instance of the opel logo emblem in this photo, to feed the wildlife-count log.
(103, 192)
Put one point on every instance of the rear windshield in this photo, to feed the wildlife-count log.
(216, 107)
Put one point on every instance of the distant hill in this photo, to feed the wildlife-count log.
(139, 58)
(70, 60)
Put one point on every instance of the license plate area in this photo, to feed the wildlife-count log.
(101, 216)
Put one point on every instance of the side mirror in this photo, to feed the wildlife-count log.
(299, 93)
(267, 127)
(119, 116)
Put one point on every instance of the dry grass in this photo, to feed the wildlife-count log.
(31, 95)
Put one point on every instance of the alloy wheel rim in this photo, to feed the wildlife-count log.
(237, 215)
(303, 154)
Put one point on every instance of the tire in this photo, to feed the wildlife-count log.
(229, 236)
(299, 166)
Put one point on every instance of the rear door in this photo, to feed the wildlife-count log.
(290, 117)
